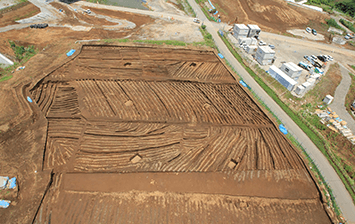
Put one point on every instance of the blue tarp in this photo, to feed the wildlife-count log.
(29, 99)
(215, 13)
(3, 182)
(12, 183)
(220, 55)
(71, 52)
(4, 203)
(243, 83)
(211, 4)
(283, 129)
(221, 32)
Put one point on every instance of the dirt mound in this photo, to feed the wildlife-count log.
(270, 15)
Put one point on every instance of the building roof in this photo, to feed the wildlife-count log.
(266, 49)
(241, 26)
(254, 27)
(283, 75)
(293, 66)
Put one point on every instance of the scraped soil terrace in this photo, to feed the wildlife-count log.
(138, 134)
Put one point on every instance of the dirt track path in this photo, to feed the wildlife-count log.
(341, 194)
(339, 98)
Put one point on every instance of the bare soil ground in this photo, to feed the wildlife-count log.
(162, 112)
(270, 15)
(25, 11)
(173, 115)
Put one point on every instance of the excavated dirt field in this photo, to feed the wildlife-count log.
(160, 135)
(270, 15)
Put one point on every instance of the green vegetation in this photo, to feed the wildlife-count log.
(187, 7)
(307, 128)
(206, 36)
(4, 78)
(348, 24)
(14, 7)
(352, 66)
(345, 6)
(333, 23)
(21, 52)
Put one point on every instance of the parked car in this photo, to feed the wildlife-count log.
(262, 43)
(196, 20)
(314, 57)
(309, 30)
(314, 32)
(271, 46)
(304, 66)
(347, 37)
(322, 58)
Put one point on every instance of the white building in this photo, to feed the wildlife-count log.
(282, 78)
(265, 55)
(307, 85)
(292, 70)
(247, 41)
(328, 99)
(240, 30)
(254, 30)
(300, 90)
(250, 49)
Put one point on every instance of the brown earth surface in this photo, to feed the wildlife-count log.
(174, 116)
(171, 129)
(51, 36)
(25, 11)
(270, 15)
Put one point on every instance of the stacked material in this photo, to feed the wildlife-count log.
(335, 123)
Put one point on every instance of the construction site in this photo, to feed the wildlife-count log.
(122, 131)
(146, 134)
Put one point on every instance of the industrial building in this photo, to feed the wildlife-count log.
(265, 55)
(240, 30)
(247, 41)
(282, 78)
(254, 30)
(292, 70)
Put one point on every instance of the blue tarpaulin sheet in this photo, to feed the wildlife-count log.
(71, 52)
(4, 204)
(243, 83)
(283, 129)
(211, 4)
(12, 183)
(29, 99)
(3, 182)
(220, 55)
(215, 13)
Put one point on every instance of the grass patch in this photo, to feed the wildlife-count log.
(187, 7)
(14, 7)
(327, 85)
(331, 22)
(306, 127)
(348, 24)
(350, 96)
(4, 78)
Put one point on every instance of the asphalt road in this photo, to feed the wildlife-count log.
(339, 99)
(342, 196)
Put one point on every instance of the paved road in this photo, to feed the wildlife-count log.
(342, 196)
(338, 104)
